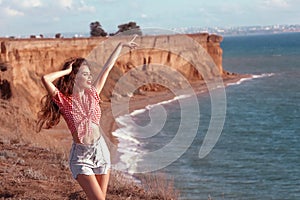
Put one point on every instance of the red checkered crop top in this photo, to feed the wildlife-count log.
(79, 114)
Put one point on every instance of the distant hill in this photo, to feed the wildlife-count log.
(242, 30)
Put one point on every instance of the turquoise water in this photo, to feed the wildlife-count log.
(257, 154)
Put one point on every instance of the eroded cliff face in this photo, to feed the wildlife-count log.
(24, 61)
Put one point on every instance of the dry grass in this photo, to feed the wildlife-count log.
(160, 185)
(121, 187)
(34, 174)
(146, 186)
(37, 163)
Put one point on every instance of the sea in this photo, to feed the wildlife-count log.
(257, 155)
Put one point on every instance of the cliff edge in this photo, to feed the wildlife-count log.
(24, 61)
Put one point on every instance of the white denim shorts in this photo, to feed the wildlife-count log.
(90, 159)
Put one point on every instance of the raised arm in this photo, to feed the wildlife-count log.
(49, 78)
(102, 77)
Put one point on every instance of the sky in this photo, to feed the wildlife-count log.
(34, 17)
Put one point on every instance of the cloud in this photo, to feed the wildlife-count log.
(14, 8)
(85, 8)
(232, 8)
(66, 3)
(144, 16)
(276, 3)
(12, 12)
(56, 19)
(107, 1)
(31, 3)
(75, 5)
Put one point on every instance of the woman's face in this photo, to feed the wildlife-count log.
(83, 77)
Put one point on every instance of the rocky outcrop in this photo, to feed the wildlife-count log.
(26, 60)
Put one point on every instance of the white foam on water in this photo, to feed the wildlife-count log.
(129, 147)
(251, 78)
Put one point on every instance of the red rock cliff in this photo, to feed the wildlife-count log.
(24, 61)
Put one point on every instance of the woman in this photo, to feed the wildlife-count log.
(75, 97)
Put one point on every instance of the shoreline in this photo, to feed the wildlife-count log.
(41, 159)
(139, 102)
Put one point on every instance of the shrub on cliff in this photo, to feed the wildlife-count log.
(130, 28)
(96, 30)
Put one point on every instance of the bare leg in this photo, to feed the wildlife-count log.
(91, 187)
(103, 181)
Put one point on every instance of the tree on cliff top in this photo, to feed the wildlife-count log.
(96, 30)
(128, 29)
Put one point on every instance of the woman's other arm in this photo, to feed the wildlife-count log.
(48, 79)
(102, 77)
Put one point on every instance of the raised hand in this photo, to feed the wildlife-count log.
(131, 44)
(70, 67)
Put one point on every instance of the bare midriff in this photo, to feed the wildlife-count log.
(90, 138)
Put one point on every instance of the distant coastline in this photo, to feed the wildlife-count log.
(243, 30)
(223, 31)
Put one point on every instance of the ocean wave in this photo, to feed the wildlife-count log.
(120, 134)
(129, 146)
(263, 75)
(128, 149)
(251, 78)
(165, 102)
(126, 123)
(137, 112)
(148, 107)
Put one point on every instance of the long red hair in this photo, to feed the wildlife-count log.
(49, 115)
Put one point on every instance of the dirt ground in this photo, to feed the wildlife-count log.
(31, 172)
